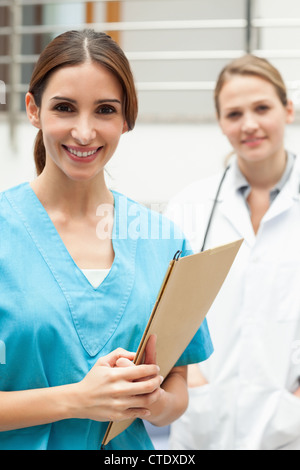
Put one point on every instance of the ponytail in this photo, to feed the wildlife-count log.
(39, 153)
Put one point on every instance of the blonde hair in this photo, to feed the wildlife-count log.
(251, 65)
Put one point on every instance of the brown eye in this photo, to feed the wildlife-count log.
(63, 108)
(106, 110)
(262, 108)
(234, 115)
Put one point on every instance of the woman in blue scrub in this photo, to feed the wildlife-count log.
(81, 266)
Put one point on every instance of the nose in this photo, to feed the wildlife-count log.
(250, 124)
(83, 131)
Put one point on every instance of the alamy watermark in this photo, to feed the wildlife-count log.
(134, 222)
(2, 352)
(2, 92)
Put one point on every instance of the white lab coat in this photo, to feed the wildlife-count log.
(254, 323)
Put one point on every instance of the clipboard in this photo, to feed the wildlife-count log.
(188, 290)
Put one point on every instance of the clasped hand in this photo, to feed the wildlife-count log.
(115, 389)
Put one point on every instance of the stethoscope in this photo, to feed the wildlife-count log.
(215, 205)
(178, 253)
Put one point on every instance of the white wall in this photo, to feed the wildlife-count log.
(157, 160)
(180, 105)
(151, 164)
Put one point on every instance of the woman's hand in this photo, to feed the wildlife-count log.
(195, 377)
(297, 393)
(149, 354)
(173, 398)
(112, 391)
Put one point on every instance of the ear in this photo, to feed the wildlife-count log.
(32, 111)
(125, 127)
(290, 112)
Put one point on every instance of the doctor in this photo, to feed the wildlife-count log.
(247, 395)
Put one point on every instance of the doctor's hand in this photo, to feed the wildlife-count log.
(195, 377)
(110, 392)
(297, 393)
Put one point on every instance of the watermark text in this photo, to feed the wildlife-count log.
(2, 352)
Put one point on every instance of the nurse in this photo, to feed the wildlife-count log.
(79, 270)
(247, 395)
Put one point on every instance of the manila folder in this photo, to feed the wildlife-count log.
(190, 286)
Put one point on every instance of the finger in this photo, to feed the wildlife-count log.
(110, 359)
(124, 362)
(136, 373)
(142, 387)
(145, 401)
(135, 406)
(129, 381)
(132, 413)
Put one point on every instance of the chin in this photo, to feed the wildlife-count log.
(254, 157)
(80, 176)
(80, 173)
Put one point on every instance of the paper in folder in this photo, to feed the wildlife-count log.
(190, 286)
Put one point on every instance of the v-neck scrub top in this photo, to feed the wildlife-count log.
(55, 325)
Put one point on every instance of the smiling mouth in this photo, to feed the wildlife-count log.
(253, 140)
(82, 154)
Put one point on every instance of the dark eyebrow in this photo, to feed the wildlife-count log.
(107, 101)
(64, 98)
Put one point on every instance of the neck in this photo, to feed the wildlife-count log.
(266, 173)
(73, 198)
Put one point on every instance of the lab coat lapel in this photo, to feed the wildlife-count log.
(289, 195)
(232, 204)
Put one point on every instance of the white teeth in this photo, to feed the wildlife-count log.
(254, 139)
(81, 154)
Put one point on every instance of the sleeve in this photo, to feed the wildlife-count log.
(199, 349)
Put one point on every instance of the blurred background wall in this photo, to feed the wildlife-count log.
(176, 48)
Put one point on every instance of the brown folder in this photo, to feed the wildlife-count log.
(190, 286)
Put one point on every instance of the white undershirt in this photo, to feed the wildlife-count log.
(95, 276)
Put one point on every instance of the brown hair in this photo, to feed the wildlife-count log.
(74, 48)
(251, 65)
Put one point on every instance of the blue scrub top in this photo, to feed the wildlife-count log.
(55, 325)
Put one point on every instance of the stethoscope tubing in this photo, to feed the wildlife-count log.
(215, 205)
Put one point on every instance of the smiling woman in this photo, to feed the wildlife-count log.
(77, 48)
(247, 395)
(253, 111)
(80, 125)
(86, 298)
